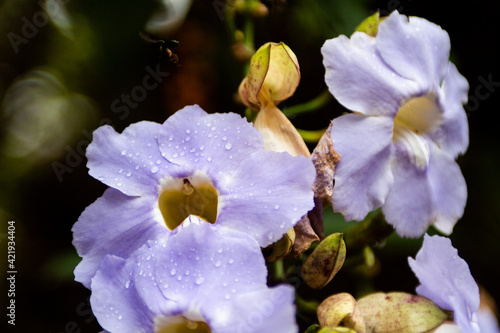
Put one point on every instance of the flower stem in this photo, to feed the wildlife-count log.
(306, 306)
(311, 136)
(371, 231)
(312, 105)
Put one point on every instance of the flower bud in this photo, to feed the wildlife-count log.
(281, 248)
(370, 25)
(273, 76)
(341, 310)
(400, 312)
(254, 8)
(324, 262)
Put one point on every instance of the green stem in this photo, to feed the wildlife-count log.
(248, 34)
(312, 105)
(306, 306)
(311, 136)
(372, 230)
(279, 270)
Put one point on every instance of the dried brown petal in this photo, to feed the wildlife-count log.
(325, 158)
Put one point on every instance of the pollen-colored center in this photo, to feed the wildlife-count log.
(420, 114)
(180, 324)
(415, 118)
(182, 197)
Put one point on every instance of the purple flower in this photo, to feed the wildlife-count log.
(205, 276)
(208, 165)
(445, 279)
(408, 125)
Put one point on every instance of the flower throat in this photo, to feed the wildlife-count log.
(182, 197)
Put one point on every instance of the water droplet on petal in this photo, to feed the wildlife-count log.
(154, 169)
(127, 284)
(218, 263)
(200, 280)
(202, 147)
(173, 271)
(124, 151)
(229, 146)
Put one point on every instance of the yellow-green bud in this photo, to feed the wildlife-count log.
(341, 311)
(400, 312)
(273, 76)
(324, 262)
(370, 25)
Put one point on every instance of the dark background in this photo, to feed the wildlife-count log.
(106, 59)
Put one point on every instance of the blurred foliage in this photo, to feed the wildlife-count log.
(66, 78)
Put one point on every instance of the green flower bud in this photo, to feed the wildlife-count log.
(324, 262)
(341, 311)
(273, 76)
(400, 312)
(281, 248)
(370, 25)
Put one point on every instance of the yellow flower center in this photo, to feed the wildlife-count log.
(180, 324)
(182, 197)
(415, 118)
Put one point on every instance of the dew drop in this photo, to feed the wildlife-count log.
(188, 138)
(124, 151)
(231, 261)
(170, 138)
(277, 207)
(154, 169)
(219, 250)
(188, 131)
(200, 280)
(120, 317)
(218, 264)
(129, 173)
(202, 147)
(229, 146)
(173, 271)
(127, 284)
